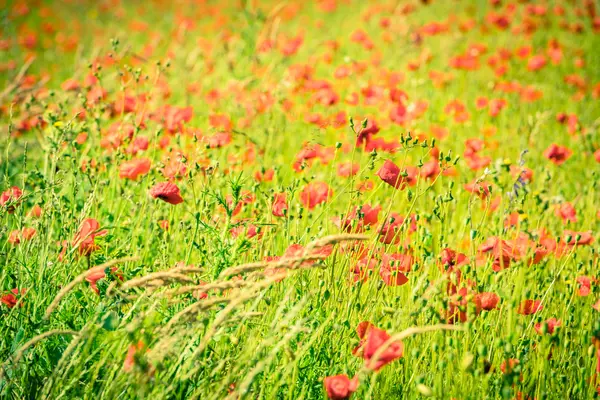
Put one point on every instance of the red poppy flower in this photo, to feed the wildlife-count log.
(566, 212)
(70, 85)
(481, 103)
(585, 286)
(496, 105)
(340, 387)
(347, 169)
(133, 349)
(557, 154)
(11, 195)
(246, 197)
(266, 176)
(357, 219)
(370, 214)
(315, 193)
(364, 268)
(280, 206)
(297, 250)
(134, 168)
(521, 172)
(11, 299)
(500, 251)
(431, 169)
(390, 173)
(166, 191)
(375, 340)
(457, 306)
(529, 307)
(36, 211)
(27, 233)
(536, 62)
(14, 237)
(390, 229)
(508, 365)
(199, 294)
(399, 261)
(477, 162)
(573, 238)
(95, 276)
(451, 259)
(512, 220)
(164, 224)
(250, 230)
(486, 301)
(85, 236)
(481, 189)
(550, 325)
(138, 144)
(392, 275)
(363, 328)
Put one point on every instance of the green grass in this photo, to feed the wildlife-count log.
(255, 336)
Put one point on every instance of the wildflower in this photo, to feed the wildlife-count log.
(36, 211)
(264, 176)
(363, 328)
(10, 196)
(340, 387)
(95, 276)
(486, 301)
(166, 191)
(376, 340)
(138, 144)
(500, 251)
(164, 224)
(14, 237)
(512, 220)
(347, 169)
(451, 259)
(357, 219)
(392, 275)
(457, 306)
(315, 193)
(279, 207)
(390, 173)
(11, 299)
(585, 286)
(70, 85)
(199, 294)
(24, 234)
(245, 197)
(431, 169)
(134, 168)
(496, 105)
(133, 349)
(529, 307)
(390, 229)
(509, 365)
(85, 236)
(363, 269)
(250, 230)
(548, 326)
(297, 250)
(557, 154)
(536, 62)
(480, 189)
(572, 238)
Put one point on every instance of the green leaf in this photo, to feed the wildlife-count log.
(110, 321)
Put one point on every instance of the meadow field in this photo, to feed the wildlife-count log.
(342, 199)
